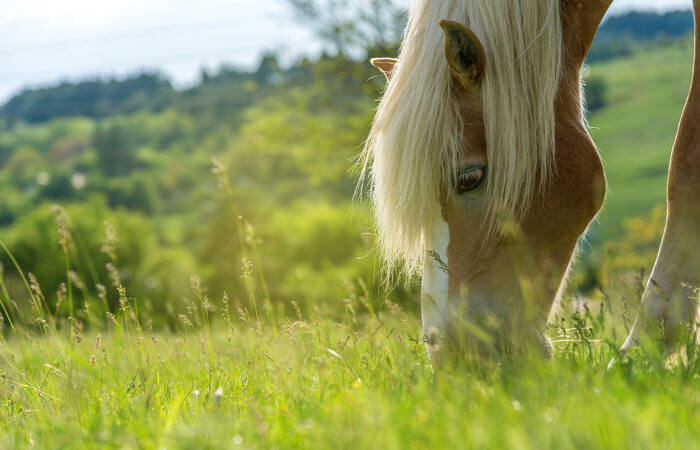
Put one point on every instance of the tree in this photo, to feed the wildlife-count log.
(90, 98)
(351, 26)
(268, 71)
(115, 155)
(596, 91)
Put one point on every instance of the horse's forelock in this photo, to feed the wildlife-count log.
(412, 149)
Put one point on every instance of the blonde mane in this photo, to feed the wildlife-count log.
(416, 137)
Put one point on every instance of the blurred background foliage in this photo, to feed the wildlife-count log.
(251, 170)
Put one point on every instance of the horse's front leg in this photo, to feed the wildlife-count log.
(670, 301)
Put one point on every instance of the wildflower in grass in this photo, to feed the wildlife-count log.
(101, 292)
(109, 242)
(113, 274)
(42, 323)
(267, 307)
(35, 287)
(195, 393)
(185, 320)
(76, 326)
(296, 309)
(225, 311)
(75, 279)
(219, 394)
(206, 305)
(349, 305)
(220, 170)
(61, 294)
(63, 225)
(250, 236)
(287, 327)
(98, 341)
(246, 268)
(190, 306)
(393, 307)
(123, 299)
(243, 315)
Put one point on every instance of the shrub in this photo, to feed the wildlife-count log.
(87, 245)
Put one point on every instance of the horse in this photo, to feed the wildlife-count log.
(483, 173)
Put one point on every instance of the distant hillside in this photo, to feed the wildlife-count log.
(232, 90)
(635, 130)
(620, 35)
(647, 26)
(89, 98)
(223, 92)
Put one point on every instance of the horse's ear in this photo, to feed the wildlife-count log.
(465, 54)
(386, 65)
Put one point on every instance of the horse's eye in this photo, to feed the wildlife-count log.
(470, 179)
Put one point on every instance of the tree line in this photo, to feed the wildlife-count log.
(359, 32)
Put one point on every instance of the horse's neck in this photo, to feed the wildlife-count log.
(580, 21)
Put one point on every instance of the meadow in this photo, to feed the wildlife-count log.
(191, 272)
(636, 128)
(253, 379)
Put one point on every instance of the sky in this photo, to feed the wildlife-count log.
(43, 42)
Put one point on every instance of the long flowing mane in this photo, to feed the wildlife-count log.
(416, 136)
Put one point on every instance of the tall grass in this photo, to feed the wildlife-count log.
(267, 373)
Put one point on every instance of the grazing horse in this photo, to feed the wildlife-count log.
(483, 173)
(671, 296)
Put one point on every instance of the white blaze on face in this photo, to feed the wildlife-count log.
(434, 287)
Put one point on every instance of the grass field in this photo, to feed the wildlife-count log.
(635, 131)
(358, 382)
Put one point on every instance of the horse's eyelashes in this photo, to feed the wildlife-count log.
(470, 179)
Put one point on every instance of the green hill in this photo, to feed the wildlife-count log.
(636, 129)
